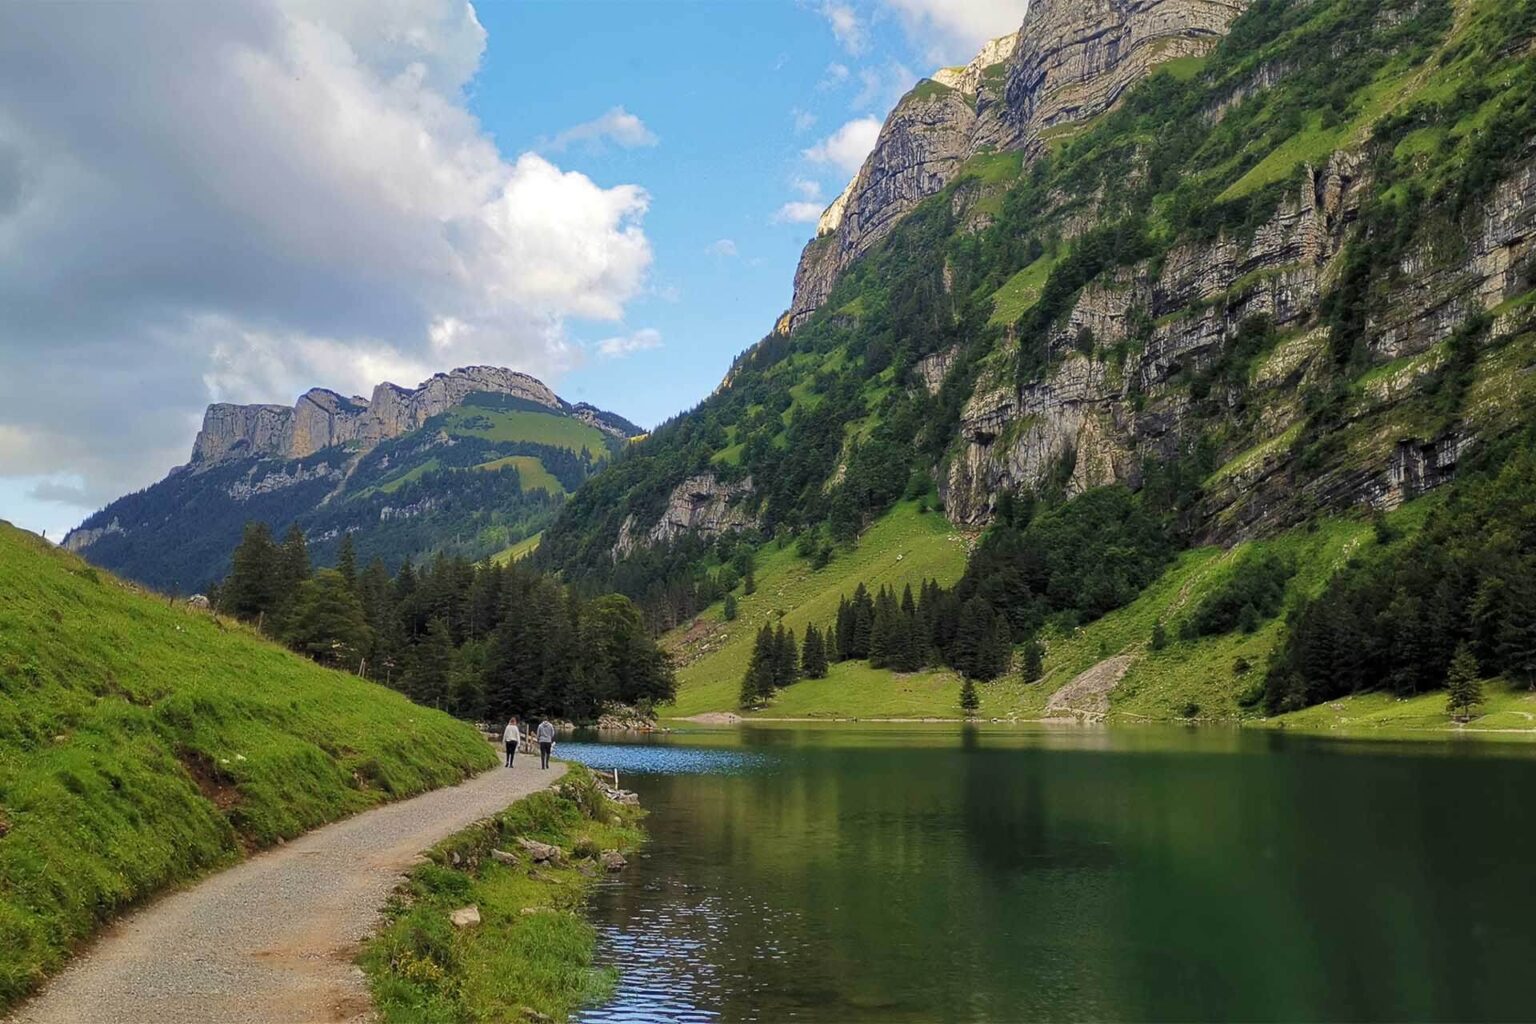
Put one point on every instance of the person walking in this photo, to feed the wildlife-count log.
(511, 736)
(546, 736)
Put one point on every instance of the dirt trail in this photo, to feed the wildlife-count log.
(271, 940)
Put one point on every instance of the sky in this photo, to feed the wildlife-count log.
(240, 201)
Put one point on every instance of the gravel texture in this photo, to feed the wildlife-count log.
(272, 939)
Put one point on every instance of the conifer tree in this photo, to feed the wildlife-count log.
(970, 702)
(730, 612)
(293, 563)
(813, 654)
(1517, 631)
(325, 621)
(757, 682)
(882, 630)
(786, 663)
(1463, 688)
(346, 561)
(252, 587)
(842, 632)
(430, 668)
(749, 585)
(1034, 661)
(862, 620)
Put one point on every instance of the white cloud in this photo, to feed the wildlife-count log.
(835, 75)
(798, 213)
(953, 31)
(243, 201)
(617, 126)
(807, 188)
(846, 26)
(722, 248)
(627, 344)
(804, 120)
(846, 148)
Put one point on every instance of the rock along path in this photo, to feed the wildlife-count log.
(271, 940)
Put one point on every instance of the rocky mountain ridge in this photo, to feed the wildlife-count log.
(1069, 62)
(321, 418)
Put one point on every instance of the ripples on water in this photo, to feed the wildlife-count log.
(646, 759)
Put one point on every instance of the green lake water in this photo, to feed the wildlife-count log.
(928, 873)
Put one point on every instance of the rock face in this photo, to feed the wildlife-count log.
(1093, 419)
(1076, 58)
(700, 505)
(322, 419)
(1071, 60)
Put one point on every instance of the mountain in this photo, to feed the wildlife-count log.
(145, 744)
(1263, 269)
(469, 462)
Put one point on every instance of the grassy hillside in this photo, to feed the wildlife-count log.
(906, 546)
(1215, 677)
(142, 744)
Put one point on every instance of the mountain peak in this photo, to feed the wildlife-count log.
(321, 418)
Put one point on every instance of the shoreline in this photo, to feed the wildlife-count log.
(1345, 729)
(491, 922)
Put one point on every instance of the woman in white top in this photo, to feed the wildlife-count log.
(510, 736)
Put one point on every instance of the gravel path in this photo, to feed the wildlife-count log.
(271, 940)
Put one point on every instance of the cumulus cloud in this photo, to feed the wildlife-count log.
(953, 31)
(627, 344)
(847, 27)
(846, 148)
(617, 126)
(240, 201)
(723, 248)
(807, 188)
(798, 212)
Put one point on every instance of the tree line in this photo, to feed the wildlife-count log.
(481, 641)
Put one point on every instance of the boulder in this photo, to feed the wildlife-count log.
(541, 852)
(503, 857)
(613, 860)
(465, 917)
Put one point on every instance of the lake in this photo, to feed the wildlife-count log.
(925, 873)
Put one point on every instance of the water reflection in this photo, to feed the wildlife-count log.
(941, 874)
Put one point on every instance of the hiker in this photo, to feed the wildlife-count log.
(546, 742)
(511, 736)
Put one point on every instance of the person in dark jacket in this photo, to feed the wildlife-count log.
(546, 734)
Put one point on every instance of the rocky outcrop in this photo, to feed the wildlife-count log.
(78, 540)
(1076, 58)
(322, 419)
(700, 505)
(1094, 419)
(1071, 60)
(235, 431)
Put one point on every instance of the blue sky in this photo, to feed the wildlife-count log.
(236, 202)
(734, 94)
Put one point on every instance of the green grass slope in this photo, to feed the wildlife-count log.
(905, 546)
(143, 744)
(1210, 678)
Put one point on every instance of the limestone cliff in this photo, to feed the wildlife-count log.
(321, 419)
(700, 505)
(1071, 60)
(1096, 418)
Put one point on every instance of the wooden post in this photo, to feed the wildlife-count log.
(615, 778)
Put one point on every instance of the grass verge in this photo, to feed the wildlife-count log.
(142, 745)
(530, 957)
